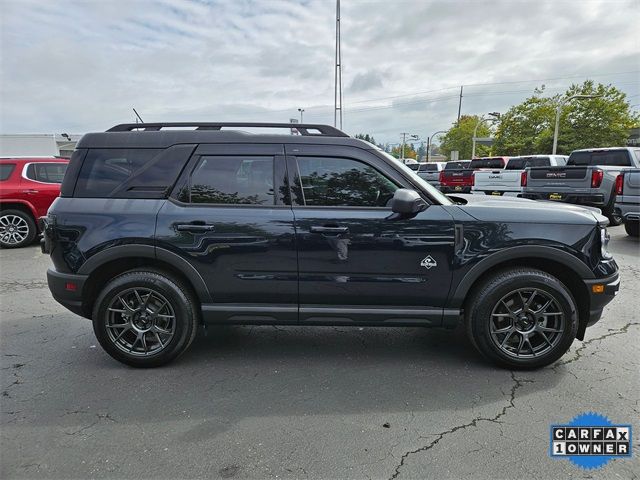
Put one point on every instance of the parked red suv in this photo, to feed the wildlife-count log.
(28, 186)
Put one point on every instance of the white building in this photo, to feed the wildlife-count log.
(37, 144)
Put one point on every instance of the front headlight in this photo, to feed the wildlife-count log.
(604, 243)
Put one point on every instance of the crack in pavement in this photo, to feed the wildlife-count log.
(100, 417)
(516, 385)
(578, 352)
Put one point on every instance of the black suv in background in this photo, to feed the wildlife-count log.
(158, 230)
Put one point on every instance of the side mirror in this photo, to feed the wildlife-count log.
(406, 204)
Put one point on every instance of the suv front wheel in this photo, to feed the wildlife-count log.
(522, 318)
(145, 318)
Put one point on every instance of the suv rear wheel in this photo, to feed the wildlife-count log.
(522, 318)
(17, 229)
(145, 318)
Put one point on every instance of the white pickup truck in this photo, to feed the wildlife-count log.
(508, 181)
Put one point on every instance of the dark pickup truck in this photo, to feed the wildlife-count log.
(588, 179)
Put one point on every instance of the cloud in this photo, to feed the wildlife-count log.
(80, 66)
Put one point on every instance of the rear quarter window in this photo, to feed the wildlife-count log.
(131, 172)
(46, 172)
(6, 169)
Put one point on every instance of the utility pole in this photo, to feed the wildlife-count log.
(460, 103)
(404, 138)
(337, 93)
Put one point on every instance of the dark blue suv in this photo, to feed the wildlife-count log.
(160, 229)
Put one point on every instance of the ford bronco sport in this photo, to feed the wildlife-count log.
(158, 230)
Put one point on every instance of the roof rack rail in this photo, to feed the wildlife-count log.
(302, 128)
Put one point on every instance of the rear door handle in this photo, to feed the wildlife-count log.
(31, 191)
(195, 227)
(328, 229)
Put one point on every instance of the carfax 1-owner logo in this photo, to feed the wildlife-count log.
(590, 440)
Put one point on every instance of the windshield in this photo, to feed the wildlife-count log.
(520, 163)
(487, 163)
(424, 185)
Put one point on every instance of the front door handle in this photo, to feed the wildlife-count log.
(195, 227)
(31, 191)
(328, 229)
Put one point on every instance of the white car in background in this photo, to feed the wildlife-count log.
(508, 181)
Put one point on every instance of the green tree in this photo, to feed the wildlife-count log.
(460, 137)
(604, 121)
(366, 137)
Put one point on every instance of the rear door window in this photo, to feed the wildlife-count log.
(46, 172)
(232, 180)
(6, 169)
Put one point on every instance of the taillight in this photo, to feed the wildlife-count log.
(473, 179)
(523, 179)
(596, 178)
(619, 184)
(441, 179)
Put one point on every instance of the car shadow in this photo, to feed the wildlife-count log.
(239, 372)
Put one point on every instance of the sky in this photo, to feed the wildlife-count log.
(80, 66)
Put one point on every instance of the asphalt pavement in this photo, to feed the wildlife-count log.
(292, 402)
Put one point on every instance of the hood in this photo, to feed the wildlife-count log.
(513, 209)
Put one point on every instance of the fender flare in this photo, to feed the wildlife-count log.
(514, 253)
(153, 253)
(30, 207)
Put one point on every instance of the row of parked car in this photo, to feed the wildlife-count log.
(606, 178)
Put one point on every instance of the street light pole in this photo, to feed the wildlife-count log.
(404, 138)
(429, 143)
(495, 116)
(301, 110)
(558, 109)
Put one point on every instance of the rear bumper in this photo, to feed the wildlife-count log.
(590, 199)
(66, 289)
(459, 189)
(597, 301)
(630, 212)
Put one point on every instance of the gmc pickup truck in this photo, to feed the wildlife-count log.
(587, 179)
(628, 200)
(431, 172)
(461, 181)
(508, 182)
(456, 177)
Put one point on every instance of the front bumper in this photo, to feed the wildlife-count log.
(597, 301)
(66, 289)
(590, 199)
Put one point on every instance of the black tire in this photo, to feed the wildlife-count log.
(632, 228)
(487, 300)
(615, 219)
(166, 296)
(17, 229)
